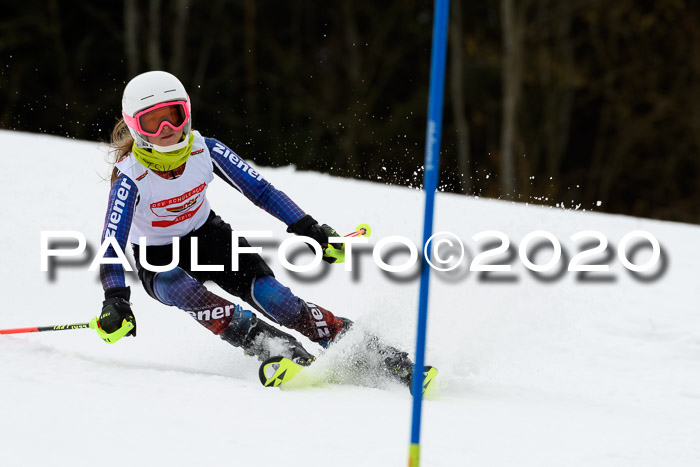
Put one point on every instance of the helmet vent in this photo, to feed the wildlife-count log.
(169, 90)
(144, 98)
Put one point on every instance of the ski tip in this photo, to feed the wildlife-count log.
(430, 374)
(268, 372)
(277, 370)
(428, 377)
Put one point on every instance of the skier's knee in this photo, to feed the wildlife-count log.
(171, 286)
(276, 300)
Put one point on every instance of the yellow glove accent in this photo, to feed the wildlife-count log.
(116, 335)
(338, 254)
(362, 230)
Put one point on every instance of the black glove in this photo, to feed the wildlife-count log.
(115, 309)
(307, 226)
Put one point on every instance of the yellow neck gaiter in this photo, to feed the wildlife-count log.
(163, 161)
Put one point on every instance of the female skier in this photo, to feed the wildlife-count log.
(159, 183)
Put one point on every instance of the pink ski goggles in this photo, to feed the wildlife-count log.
(151, 121)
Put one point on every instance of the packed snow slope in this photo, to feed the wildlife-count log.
(550, 369)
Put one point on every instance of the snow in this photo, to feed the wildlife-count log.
(533, 372)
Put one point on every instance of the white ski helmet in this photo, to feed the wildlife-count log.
(148, 90)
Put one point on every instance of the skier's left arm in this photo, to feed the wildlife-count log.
(238, 173)
(116, 319)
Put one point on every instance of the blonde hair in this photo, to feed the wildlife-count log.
(120, 144)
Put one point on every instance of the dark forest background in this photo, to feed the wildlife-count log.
(589, 104)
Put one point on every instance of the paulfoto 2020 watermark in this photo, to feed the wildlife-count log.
(444, 251)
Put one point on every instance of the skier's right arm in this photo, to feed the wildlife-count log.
(117, 319)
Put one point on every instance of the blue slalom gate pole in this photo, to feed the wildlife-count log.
(430, 181)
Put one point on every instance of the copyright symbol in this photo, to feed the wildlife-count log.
(443, 238)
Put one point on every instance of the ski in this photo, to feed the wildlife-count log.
(276, 371)
(428, 377)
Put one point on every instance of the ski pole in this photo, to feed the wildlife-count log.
(58, 327)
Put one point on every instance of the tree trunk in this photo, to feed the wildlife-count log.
(561, 99)
(179, 38)
(249, 61)
(511, 75)
(348, 156)
(457, 89)
(131, 18)
(206, 45)
(154, 14)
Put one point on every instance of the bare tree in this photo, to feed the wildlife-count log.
(550, 81)
(349, 142)
(131, 18)
(207, 43)
(458, 100)
(249, 59)
(560, 80)
(154, 16)
(512, 76)
(179, 37)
